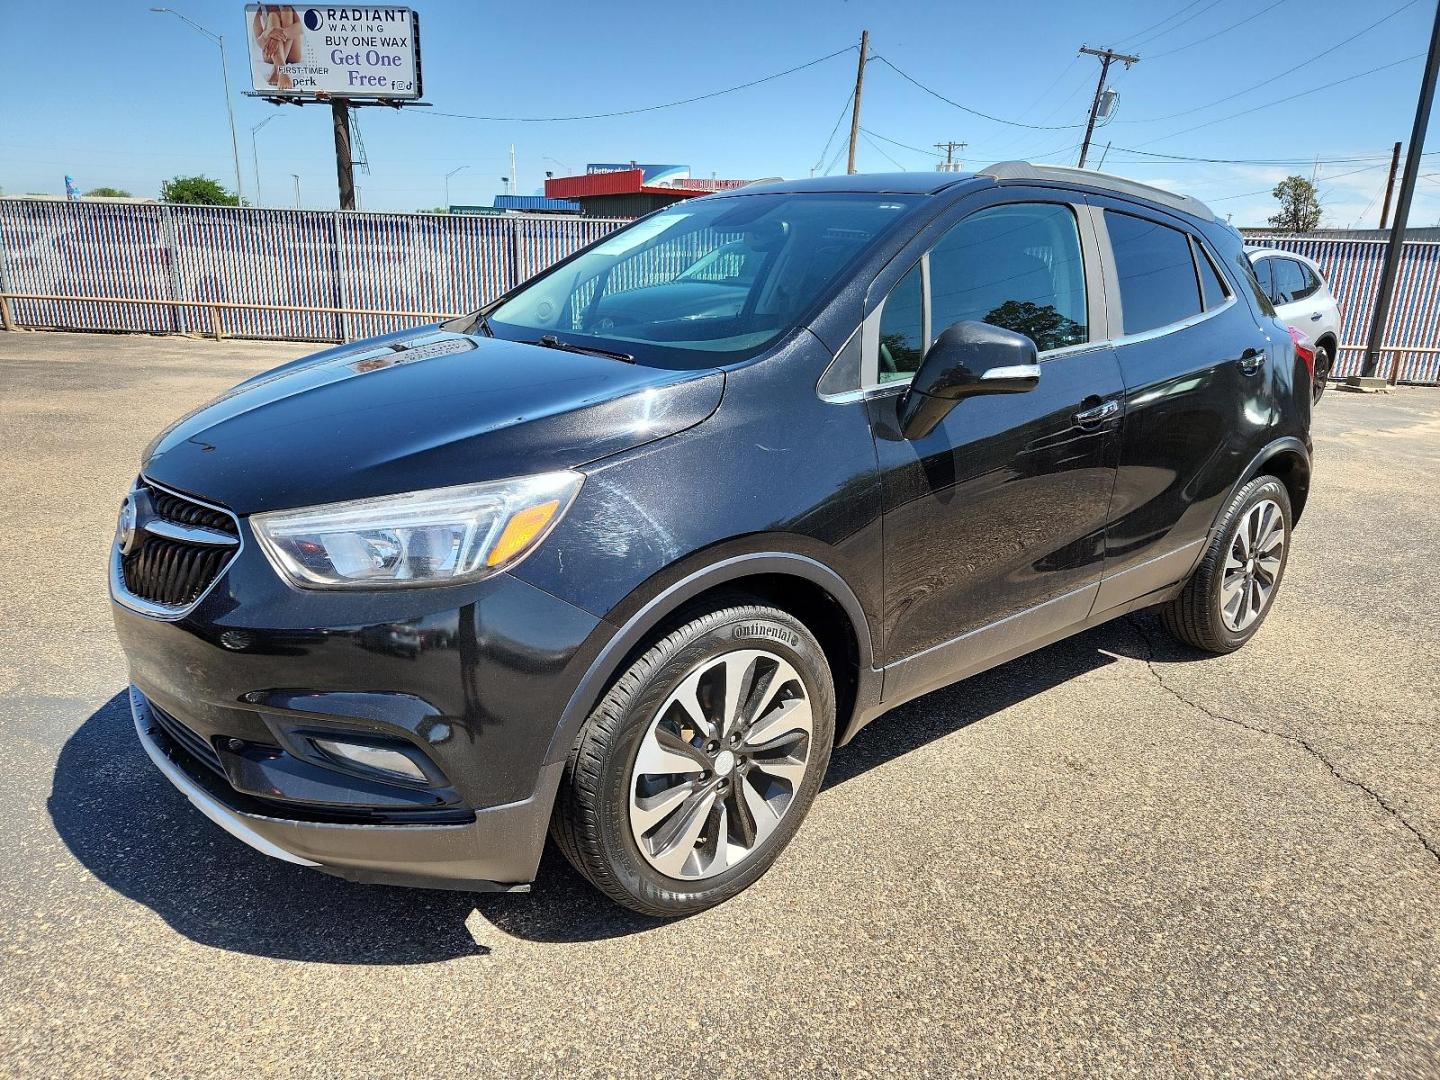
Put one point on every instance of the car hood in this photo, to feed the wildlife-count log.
(419, 409)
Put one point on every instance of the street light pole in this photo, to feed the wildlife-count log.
(296, 178)
(255, 156)
(219, 40)
(449, 174)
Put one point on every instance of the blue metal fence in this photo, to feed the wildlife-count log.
(415, 267)
(1352, 267)
(418, 267)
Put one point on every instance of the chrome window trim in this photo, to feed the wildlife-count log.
(1171, 328)
(164, 612)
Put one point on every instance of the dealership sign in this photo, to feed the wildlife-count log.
(351, 52)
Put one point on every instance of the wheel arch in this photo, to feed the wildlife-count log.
(807, 588)
(1288, 460)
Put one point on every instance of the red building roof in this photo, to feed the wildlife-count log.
(628, 182)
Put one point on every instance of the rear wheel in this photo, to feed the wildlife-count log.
(693, 773)
(1232, 590)
(1324, 361)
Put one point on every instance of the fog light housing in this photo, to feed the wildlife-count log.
(378, 759)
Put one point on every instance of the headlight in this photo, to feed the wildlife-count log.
(437, 537)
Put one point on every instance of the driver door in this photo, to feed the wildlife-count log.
(994, 522)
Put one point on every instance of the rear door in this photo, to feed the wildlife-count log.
(1196, 368)
(994, 522)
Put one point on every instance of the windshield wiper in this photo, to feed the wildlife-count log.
(550, 341)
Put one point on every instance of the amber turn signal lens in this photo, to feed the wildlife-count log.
(521, 529)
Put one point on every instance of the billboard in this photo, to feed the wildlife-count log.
(356, 52)
(652, 175)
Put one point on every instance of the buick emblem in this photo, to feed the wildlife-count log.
(126, 530)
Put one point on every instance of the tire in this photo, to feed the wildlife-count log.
(1203, 615)
(1323, 363)
(609, 805)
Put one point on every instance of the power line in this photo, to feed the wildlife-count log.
(1162, 22)
(1189, 159)
(646, 108)
(1217, 33)
(877, 148)
(1282, 101)
(838, 121)
(897, 142)
(1168, 29)
(976, 112)
(1266, 82)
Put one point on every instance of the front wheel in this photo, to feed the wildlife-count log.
(1233, 588)
(696, 769)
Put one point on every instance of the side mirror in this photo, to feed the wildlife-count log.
(968, 359)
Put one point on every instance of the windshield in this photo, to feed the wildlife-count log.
(705, 282)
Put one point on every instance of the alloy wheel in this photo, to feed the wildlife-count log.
(1252, 565)
(720, 764)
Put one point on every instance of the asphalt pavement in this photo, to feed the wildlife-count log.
(1113, 857)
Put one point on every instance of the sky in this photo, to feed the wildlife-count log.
(116, 95)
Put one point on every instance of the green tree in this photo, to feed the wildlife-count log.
(199, 190)
(1041, 323)
(1299, 205)
(107, 193)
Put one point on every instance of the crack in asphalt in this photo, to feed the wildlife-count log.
(1294, 740)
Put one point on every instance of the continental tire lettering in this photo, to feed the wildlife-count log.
(767, 632)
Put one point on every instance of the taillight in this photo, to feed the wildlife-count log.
(1303, 350)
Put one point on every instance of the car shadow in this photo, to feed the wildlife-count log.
(141, 837)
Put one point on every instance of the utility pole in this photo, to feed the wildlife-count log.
(859, 89)
(951, 165)
(1107, 57)
(344, 168)
(512, 168)
(1390, 186)
(296, 178)
(1395, 248)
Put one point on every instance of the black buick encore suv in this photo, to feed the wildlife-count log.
(626, 553)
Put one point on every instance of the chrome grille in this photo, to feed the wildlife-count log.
(181, 547)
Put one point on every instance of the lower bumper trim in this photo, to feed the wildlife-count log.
(498, 852)
(229, 820)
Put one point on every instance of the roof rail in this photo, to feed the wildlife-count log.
(1023, 170)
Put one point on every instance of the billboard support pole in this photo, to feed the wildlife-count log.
(344, 168)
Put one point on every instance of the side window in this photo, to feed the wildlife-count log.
(1289, 281)
(1251, 274)
(1265, 274)
(1155, 272)
(1211, 287)
(1311, 281)
(1018, 266)
(902, 329)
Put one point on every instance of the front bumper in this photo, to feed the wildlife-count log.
(498, 851)
(469, 681)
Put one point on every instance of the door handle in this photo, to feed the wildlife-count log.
(1315, 316)
(1250, 361)
(1094, 417)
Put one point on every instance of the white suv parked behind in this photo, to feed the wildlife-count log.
(1302, 299)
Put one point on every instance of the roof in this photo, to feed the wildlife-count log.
(1023, 170)
(932, 183)
(537, 202)
(628, 182)
(903, 183)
